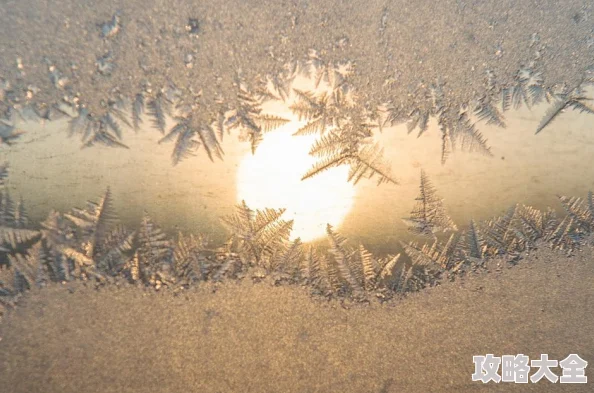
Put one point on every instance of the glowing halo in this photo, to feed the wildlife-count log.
(272, 178)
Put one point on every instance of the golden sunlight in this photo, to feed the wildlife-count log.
(272, 178)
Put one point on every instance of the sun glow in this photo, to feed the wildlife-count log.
(272, 178)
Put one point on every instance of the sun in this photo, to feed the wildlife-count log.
(271, 178)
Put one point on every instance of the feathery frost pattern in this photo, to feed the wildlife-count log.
(88, 244)
(259, 237)
(3, 173)
(469, 138)
(158, 107)
(574, 100)
(346, 138)
(429, 215)
(249, 119)
(137, 110)
(331, 110)
(329, 105)
(189, 135)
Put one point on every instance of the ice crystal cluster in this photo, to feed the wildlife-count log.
(345, 125)
(88, 244)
